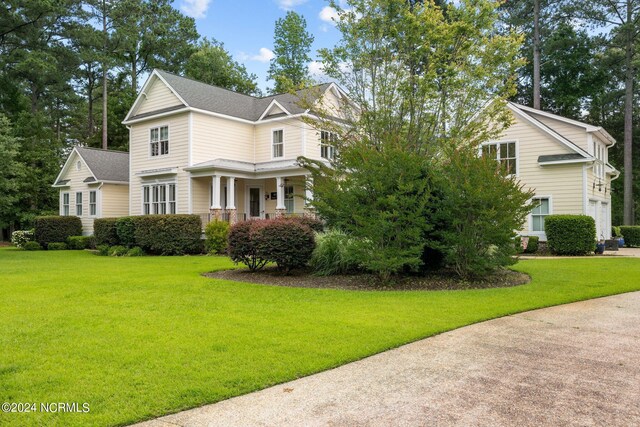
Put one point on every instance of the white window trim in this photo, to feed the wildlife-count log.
(541, 234)
(273, 130)
(149, 156)
(150, 185)
(505, 141)
(331, 148)
(80, 205)
(95, 203)
(62, 205)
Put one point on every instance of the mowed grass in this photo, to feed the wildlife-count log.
(137, 338)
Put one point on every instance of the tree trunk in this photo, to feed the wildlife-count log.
(104, 75)
(628, 121)
(536, 54)
(134, 75)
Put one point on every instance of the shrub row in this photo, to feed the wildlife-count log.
(286, 242)
(154, 234)
(119, 250)
(56, 229)
(631, 235)
(570, 234)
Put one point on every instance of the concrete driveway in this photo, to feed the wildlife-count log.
(577, 364)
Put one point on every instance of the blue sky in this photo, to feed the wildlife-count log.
(246, 27)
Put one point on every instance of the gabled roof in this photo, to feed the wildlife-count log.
(526, 114)
(226, 102)
(104, 165)
(587, 127)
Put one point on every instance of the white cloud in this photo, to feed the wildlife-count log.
(289, 4)
(265, 55)
(195, 8)
(316, 70)
(329, 14)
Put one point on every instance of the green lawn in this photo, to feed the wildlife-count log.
(137, 338)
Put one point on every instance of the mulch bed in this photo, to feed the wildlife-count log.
(368, 282)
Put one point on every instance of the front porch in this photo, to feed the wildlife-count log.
(231, 198)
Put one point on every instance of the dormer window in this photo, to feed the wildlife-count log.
(78, 165)
(159, 141)
(278, 143)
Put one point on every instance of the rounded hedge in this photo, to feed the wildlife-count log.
(631, 235)
(56, 229)
(216, 233)
(570, 234)
(287, 243)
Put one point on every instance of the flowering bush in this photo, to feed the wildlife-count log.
(20, 237)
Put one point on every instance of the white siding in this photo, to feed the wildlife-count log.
(141, 160)
(159, 96)
(218, 138)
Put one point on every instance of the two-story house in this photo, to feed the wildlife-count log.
(201, 149)
(197, 148)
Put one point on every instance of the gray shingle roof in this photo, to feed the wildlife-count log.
(223, 101)
(560, 157)
(106, 165)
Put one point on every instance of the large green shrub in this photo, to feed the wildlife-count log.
(381, 195)
(105, 232)
(169, 234)
(337, 253)
(631, 235)
(56, 229)
(570, 234)
(216, 233)
(241, 246)
(80, 242)
(474, 210)
(126, 230)
(287, 243)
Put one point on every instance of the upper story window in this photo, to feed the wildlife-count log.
(78, 165)
(78, 204)
(327, 145)
(539, 213)
(503, 152)
(159, 141)
(278, 143)
(65, 204)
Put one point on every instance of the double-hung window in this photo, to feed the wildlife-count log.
(504, 153)
(278, 143)
(327, 145)
(78, 203)
(93, 203)
(539, 213)
(65, 204)
(159, 199)
(159, 141)
(288, 198)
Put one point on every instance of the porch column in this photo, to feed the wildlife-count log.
(216, 208)
(281, 209)
(308, 198)
(231, 200)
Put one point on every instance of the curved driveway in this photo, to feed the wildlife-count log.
(576, 364)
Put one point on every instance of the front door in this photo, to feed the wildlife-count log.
(254, 202)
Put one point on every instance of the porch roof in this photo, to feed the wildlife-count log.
(247, 169)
